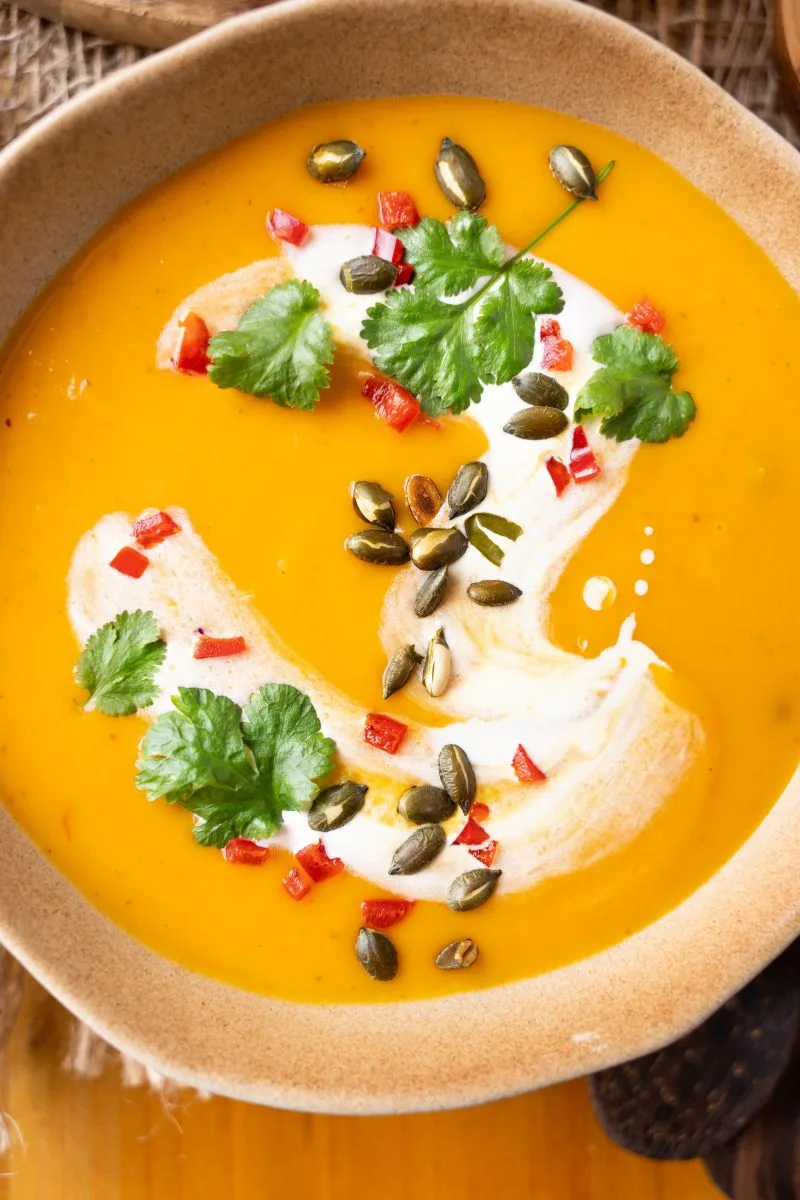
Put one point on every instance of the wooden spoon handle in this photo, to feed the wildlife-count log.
(787, 42)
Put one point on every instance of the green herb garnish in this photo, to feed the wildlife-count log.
(632, 391)
(239, 770)
(476, 527)
(119, 662)
(281, 348)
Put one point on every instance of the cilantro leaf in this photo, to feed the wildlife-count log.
(118, 664)
(505, 326)
(238, 770)
(632, 391)
(280, 349)
(452, 258)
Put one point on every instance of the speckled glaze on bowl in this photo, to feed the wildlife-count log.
(61, 182)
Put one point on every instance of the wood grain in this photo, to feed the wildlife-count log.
(153, 23)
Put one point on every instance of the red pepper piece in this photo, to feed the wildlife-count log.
(646, 317)
(297, 883)
(153, 528)
(387, 246)
(192, 352)
(558, 355)
(130, 562)
(485, 854)
(479, 812)
(549, 329)
(384, 732)
(315, 861)
(405, 273)
(216, 647)
(242, 850)
(382, 914)
(283, 227)
(525, 768)
(472, 834)
(582, 463)
(559, 474)
(397, 407)
(397, 210)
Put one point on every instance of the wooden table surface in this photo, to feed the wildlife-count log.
(92, 1140)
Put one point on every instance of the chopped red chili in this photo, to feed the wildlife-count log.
(192, 352)
(397, 210)
(549, 329)
(130, 562)
(525, 768)
(283, 227)
(472, 834)
(485, 854)
(479, 811)
(153, 528)
(217, 647)
(582, 463)
(242, 850)
(646, 317)
(397, 407)
(315, 861)
(384, 732)
(297, 883)
(559, 473)
(387, 246)
(382, 914)
(405, 273)
(558, 355)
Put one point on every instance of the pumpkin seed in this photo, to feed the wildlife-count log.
(378, 546)
(457, 776)
(434, 548)
(423, 498)
(468, 489)
(418, 850)
(438, 665)
(431, 594)
(333, 162)
(336, 805)
(574, 172)
(425, 805)
(367, 274)
(476, 526)
(542, 390)
(373, 504)
(377, 954)
(399, 670)
(458, 176)
(535, 424)
(491, 593)
(472, 889)
(458, 955)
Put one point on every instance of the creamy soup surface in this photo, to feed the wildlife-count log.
(649, 666)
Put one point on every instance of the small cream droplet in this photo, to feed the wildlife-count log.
(599, 592)
(648, 531)
(647, 557)
(641, 587)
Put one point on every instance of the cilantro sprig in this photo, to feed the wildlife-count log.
(118, 664)
(238, 769)
(632, 391)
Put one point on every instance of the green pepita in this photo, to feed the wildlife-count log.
(438, 665)
(425, 805)
(434, 548)
(431, 594)
(334, 162)
(337, 805)
(457, 956)
(536, 424)
(377, 954)
(476, 526)
(468, 489)
(472, 889)
(423, 498)
(399, 670)
(378, 546)
(574, 172)
(540, 389)
(457, 776)
(458, 176)
(367, 274)
(373, 504)
(418, 851)
(491, 593)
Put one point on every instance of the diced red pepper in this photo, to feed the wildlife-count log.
(130, 562)
(397, 407)
(525, 768)
(283, 227)
(405, 273)
(485, 854)
(479, 812)
(558, 355)
(192, 352)
(384, 732)
(549, 329)
(315, 861)
(153, 528)
(397, 210)
(297, 883)
(382, 914)
(582, 463)
(387, 246)
(646, 317)
(472, 834)
(217, 647)
(242, 850)
(559, 473)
